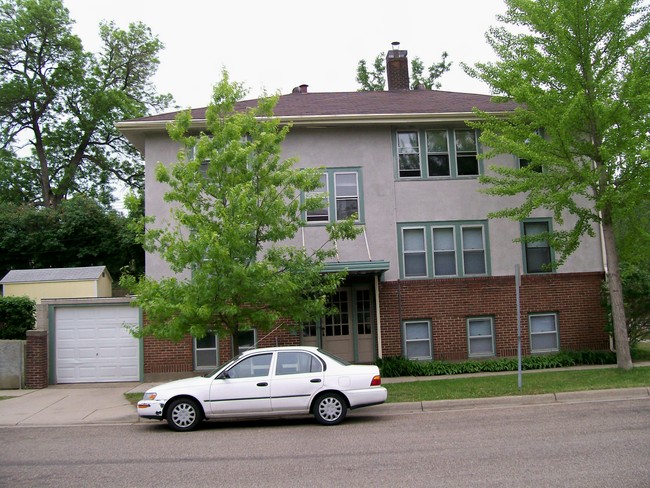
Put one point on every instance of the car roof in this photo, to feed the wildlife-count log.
(279, 348)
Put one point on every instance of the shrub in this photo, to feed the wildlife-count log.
(17, 316)
(399, 366)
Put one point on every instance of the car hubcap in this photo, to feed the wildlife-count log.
(183, 415)
(330, 409)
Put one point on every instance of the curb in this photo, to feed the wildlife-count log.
(638, 393)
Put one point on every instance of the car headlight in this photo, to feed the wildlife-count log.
(150, 395)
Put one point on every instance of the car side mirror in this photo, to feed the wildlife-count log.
(223, 376)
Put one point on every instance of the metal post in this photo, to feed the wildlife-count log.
(517, 285)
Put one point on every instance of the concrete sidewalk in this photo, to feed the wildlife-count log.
(104, 403)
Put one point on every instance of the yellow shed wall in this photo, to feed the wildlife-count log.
(60, 289)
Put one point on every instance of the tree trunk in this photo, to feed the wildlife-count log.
(623, 357)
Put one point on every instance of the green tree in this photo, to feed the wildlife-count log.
(632, 227)
(374, 79)
(79, 232)
(59, 104)
(580, 70)
(234, 205)
(435, 71)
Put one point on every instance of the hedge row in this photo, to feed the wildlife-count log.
(399, 366)
(17, 316)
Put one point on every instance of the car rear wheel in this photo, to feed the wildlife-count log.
(184, 414)
(330, 409)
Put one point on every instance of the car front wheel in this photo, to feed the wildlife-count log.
(184, 414)
(330, 409)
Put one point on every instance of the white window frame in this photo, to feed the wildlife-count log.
(554, 332)
(470, 337)
(214, 349)
(407, 341)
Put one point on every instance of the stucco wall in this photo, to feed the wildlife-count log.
(386, 200)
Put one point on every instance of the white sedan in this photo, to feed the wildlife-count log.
(264, 382)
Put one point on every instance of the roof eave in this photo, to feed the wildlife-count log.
(135, 130)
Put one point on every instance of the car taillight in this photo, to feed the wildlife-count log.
(376, 381)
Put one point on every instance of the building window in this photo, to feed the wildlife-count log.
(444, 159)
(543, 332)
(480, 336)
(437, 153)
(525, 163)
(320, 214)
(473, 251)
(466, 152)
(456, 249)
(408, 154)
(414, 253)
(206, 352)
(537, 251)
(247, 340)
(417, 339)
(344, 201)
(346, 194)
(444, 251)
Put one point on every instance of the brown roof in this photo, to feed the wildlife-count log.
(367, 103)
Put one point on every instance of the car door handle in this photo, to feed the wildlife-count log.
(315, 380)
(263, 384)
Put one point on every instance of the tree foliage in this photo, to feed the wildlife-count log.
(580, 71)
(77, 233)
(374, 79)
(59, 104)
(234, 204)
(17, 316)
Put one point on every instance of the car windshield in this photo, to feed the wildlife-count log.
(222, 367)
(333, 357)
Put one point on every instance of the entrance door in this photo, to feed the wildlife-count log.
(336, 330)
(364, 315)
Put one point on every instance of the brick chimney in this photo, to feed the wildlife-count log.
(397, 68)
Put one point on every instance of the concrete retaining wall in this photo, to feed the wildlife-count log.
(12, 364)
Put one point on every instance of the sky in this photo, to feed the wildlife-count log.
(274, 46)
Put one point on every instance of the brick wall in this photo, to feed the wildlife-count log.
(36, 359)
(447, 303)
(162, 356)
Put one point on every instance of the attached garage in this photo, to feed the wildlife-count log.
(90, 343)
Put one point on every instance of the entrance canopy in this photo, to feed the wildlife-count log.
(358, 267)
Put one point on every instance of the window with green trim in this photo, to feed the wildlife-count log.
(436, 250)
(340, 190)
(437, 153)
(537, 251)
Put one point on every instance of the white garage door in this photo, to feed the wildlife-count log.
(92, 344)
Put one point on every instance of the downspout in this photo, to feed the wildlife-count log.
(378, 319)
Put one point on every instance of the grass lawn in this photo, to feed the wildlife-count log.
(533, 383)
